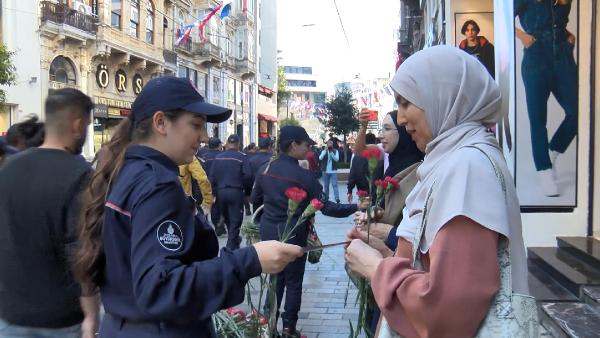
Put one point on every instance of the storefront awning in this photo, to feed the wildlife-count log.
(267, 117)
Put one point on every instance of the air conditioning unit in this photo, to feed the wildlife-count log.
(81, 7)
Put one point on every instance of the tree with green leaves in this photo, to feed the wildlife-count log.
(290, 121)
(8, 74)
(341, 114)
(282, 93)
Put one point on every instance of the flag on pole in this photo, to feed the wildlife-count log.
(184, 33)
(244, 6)
(205, 21)
(226, 9)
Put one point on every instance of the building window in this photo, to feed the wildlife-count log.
(301, 83)
(216, 89)
(115, 13)
(241, 50)
(63, 71)
(134, 19)
(149, 22)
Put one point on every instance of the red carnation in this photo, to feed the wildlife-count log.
(362, 193)
(391, 183)
(371, 153)
(318, 205)
(380, 183)
(295, 194)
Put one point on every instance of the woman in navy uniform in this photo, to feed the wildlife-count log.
(143, 244)
(271, 182)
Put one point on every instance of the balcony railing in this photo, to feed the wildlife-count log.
(244, 66)
(170, 56)
(62, 14)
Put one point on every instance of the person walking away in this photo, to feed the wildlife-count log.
(193, 171)
(262, 157)
(216, 216)
(329, 158)
(230, 174)
(40, 194)
(153, 257)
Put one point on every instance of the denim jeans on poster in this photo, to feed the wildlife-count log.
(549, 67)
(331, 177)
(8, 330)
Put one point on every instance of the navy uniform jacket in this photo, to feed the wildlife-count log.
(231, 169)
(209, 158)
(257, 161)
(269, 188)
(161, 256)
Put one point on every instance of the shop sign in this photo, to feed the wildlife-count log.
(100, 110)
(138, 84)
(112, 102)
(102, 75)
(121, 80)
(117, 112)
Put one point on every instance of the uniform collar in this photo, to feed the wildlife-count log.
(144, 152)
(288, 158)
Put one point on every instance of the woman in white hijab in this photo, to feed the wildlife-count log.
(462, 220)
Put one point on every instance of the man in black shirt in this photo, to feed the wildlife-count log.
(40, 191)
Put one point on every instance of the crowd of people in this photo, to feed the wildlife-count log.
(136, 230)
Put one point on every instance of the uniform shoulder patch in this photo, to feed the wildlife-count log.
(169, 235)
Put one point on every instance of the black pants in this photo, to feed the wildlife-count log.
(291, 278)
(215, 214)
(230, 202)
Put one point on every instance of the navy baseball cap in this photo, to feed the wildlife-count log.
(233, 138)
(295, 133)
(172, 93)
(264, 142)
(214, 142)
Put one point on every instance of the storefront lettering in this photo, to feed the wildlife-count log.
(102, 75)
(112, 102)
(138, 84)
(121, 80)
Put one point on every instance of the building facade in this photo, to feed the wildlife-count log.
(266, 97)
(110, 48)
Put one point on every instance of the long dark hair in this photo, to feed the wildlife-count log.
(90, 258)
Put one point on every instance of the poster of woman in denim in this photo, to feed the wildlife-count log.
(546, 102)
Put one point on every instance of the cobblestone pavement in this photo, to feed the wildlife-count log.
(322, 312)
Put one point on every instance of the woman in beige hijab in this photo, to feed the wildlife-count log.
(461, 221)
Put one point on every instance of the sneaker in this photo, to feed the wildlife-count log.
(553, 156)
(549, 186)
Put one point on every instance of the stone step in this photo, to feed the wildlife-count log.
(591, 295)
(570, 319)
(586, 249)
(566, 269)
(544, 288)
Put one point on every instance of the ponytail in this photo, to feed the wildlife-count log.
(90, 259)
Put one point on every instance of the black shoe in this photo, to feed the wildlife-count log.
(220, 229)
(289, 329)
(337, 200)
